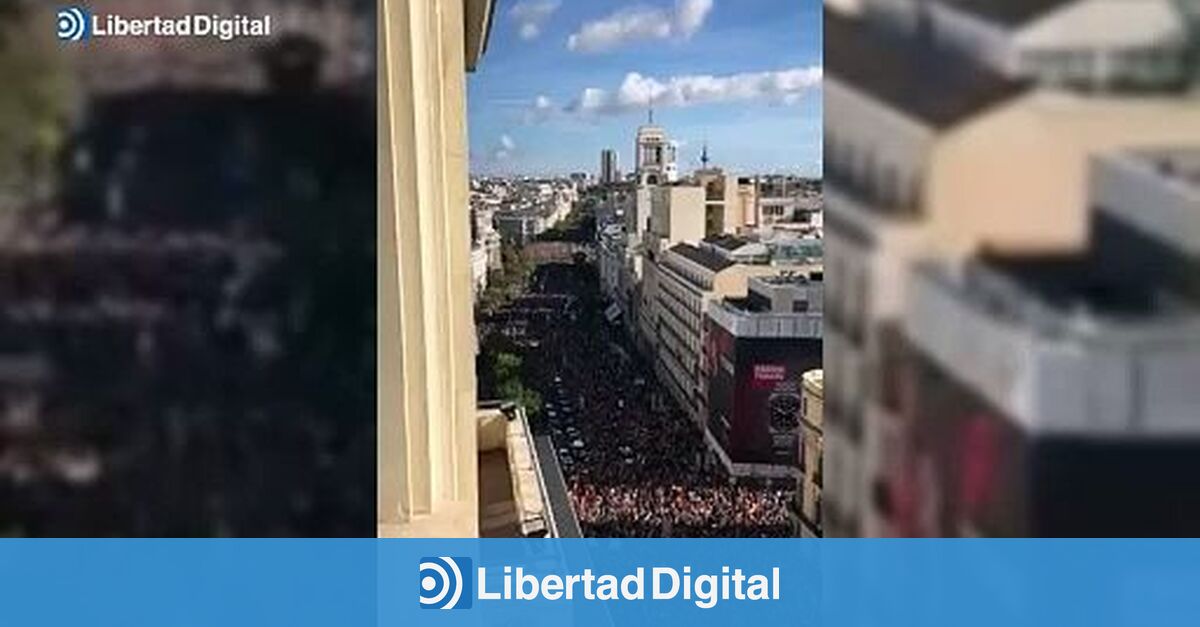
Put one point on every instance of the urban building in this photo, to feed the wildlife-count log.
(341, 33)
(756, 348)
(806, 507)
(527, 208)
(485, 241)
(1041, 390)
(676, 215)
(609, 172)
(731, 202)
(778, 199)
(1073, 44)
(655, 156)
(915, 143)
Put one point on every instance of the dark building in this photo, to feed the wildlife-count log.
(756, 352)
(187, 335)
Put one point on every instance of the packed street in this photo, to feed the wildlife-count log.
(634, 464)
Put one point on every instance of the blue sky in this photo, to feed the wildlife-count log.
(563, 79)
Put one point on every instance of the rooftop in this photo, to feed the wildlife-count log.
(705, 258)
(1050, 351)
(726, 242)
(931, 85)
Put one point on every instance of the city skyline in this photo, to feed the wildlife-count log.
(564, 80)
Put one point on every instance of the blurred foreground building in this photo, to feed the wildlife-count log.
(984, 373)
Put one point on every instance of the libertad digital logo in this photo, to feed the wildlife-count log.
(443, 580)
(446, 584)
(74, 24)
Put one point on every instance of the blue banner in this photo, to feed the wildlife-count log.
(347, 583)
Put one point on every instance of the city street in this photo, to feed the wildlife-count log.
(633, 463)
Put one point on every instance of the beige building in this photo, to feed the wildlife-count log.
(446, 467)
(807, 506)
(731, 202)
(676, 214)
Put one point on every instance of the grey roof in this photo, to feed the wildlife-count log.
(726, 242)
(705, 258)
(938, 87)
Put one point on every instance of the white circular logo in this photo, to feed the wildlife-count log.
(441, 583)
(72, 24)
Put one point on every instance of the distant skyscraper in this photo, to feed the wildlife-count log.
(608, 166)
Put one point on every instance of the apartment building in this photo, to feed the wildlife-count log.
(810, 452)
(930, 156)
(676, 214)
(755, 351)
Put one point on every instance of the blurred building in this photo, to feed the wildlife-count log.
(1044, 389)
(185, 328)
(1090, 45)
(940, 158)
(343, 30)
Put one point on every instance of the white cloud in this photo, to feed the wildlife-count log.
(637, 92)
(541, 110)
(531, 15)
(504, 148)
(690, 15)
(641, 24)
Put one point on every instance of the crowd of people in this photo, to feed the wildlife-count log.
(643, 469)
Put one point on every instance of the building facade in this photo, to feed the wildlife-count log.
(609, 172)
(756, 349)
(655, 156)
(911, 165)
(810, 449)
